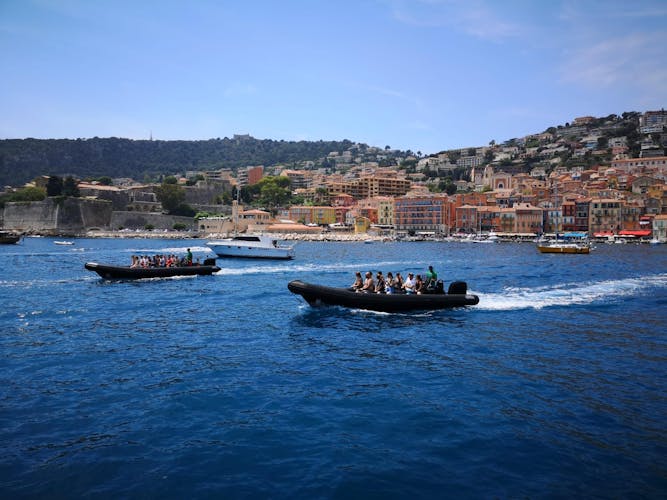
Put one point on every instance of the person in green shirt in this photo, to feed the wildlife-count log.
(431, 277)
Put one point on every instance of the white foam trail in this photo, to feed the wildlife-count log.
(266, 267)
(569, 294)
(168, 250)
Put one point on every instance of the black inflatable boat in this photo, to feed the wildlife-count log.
(137, 273)
(317, 295)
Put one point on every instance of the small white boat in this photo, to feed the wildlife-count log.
(252, 247)
(64, 242)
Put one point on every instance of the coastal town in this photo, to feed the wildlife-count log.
(595, 177)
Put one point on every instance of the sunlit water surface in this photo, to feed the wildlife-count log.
(230, 386)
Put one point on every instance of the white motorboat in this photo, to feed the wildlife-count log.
(251, 246)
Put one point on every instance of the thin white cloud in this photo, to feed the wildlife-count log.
(476, 18)
(483, 23)
(634, 60)
(587, 12)
(633, 11)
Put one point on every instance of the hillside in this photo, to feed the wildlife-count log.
(580, 144)
(21, 160)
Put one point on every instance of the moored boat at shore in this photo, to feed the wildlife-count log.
(134, 273)
(9, 237)
(317, 295)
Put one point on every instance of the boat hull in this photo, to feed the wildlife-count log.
(317, 295)
(240, 252)
(251, 247)
(136, 273)
(9, 238)
(572, 249)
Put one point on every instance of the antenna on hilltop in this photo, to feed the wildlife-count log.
(151, 135)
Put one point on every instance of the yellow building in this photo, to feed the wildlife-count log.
(361, 225)
(313, 215)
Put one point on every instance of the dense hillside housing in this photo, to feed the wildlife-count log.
(596, 175)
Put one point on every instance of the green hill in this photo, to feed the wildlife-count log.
(21, 160)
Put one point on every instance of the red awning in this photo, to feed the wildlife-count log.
(637, 234)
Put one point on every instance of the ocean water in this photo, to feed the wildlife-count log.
(229, 386)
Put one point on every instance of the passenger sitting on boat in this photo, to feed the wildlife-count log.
(379, 284)
(409, 285)
(369, 284)
(389, 283)
(135, 261)
(419, 284)
(398, 283)
(358, 281)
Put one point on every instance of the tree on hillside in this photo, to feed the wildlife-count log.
(54, 186)
(70, 187)
(170, 195)
(25, 194)
(274, 191)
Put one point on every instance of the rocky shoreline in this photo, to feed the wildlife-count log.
(178, 235)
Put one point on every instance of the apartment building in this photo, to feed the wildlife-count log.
(368, 186)
(255, 174)
(528, 218)
(299, 179)
(660, 228)
(385, 211)
(421, 214)
(640, 165)
(605, 215)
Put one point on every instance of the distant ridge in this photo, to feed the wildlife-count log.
(21, 160)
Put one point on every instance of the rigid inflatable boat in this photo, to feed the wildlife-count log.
(136, 273)
(317, 295)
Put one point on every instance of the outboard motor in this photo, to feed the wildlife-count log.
(458, 288)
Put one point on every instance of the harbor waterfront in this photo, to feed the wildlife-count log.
(230, 386)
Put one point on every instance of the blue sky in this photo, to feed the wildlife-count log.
(425, 75)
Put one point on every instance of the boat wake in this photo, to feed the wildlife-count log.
(241, 267)
(180, 250)
(567, 294)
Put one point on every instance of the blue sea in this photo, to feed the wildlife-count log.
(229, 386)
